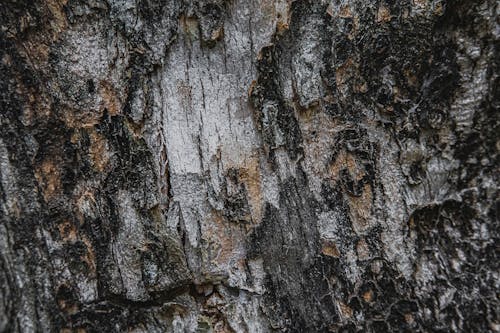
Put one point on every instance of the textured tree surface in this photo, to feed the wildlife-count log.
(249, 166)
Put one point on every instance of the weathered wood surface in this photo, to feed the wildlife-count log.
(249, 166)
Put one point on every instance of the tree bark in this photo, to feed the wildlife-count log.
(249, 166)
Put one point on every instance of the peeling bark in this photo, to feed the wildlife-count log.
(249, 166)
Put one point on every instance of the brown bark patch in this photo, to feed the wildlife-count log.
(344, 72)
(362, 250)
(110, 98)
(75, 118)
(191, 26)
(347, 161)
(99, 154)
(345, 11)
(224, 239)
(345, 310)
(48, 177)
(58, 21)
(368, 296)
(89, 257)
(86, 204)
(360, 209)
(328, 248)
(383, 14)
(409, 318)
(281, 27)
(68, 231)
(36, 47)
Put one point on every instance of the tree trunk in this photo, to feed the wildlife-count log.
(249, 166)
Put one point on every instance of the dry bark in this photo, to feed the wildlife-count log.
(249, 166)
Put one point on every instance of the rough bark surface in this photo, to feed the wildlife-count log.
(249, 166)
